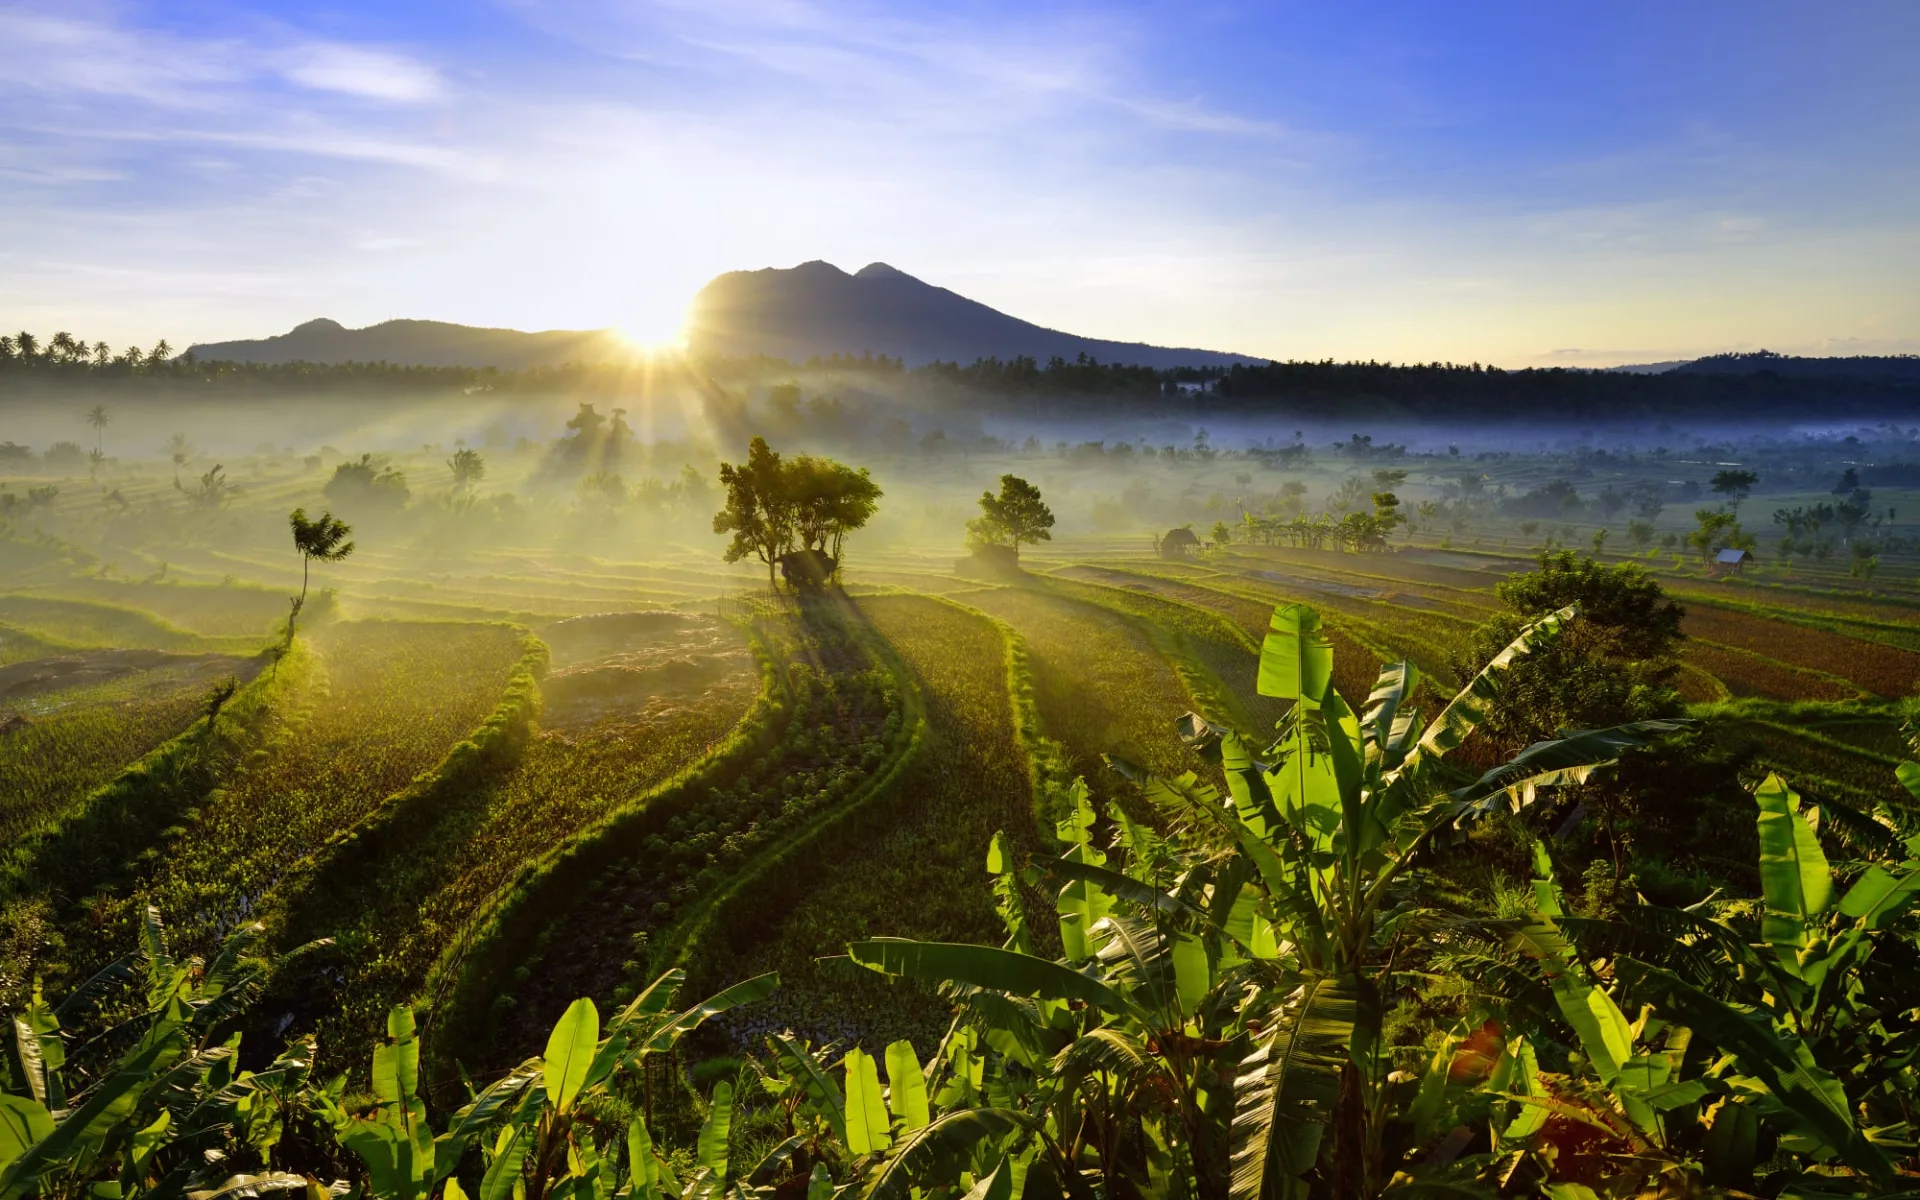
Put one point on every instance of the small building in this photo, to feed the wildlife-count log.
(1179, 543)
(1731, 559)
(989, 562)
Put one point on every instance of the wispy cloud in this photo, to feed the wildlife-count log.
(358, 71)
(71, 53)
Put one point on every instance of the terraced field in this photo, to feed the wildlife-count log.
(389, 699)
(631, 701)
(605, 910)
(1099, 685)
(911, 866)
(673, 775)
(71, 722)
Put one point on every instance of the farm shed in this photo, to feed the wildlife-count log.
(1178, 543)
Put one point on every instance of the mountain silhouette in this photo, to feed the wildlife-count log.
(424, 344)
(816, 309)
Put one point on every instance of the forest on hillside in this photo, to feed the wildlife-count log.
(1758, 388)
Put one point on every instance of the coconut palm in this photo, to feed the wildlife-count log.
(99, 418)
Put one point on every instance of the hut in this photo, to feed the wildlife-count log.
(1732, 560)
(989, 562)
(1179, 543)
(807, 568)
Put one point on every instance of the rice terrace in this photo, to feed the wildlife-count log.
(831, 739)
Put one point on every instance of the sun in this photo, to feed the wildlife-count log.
(651, 337)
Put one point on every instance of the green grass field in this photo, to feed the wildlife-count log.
(492, 848)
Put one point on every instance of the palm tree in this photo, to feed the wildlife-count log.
(99, 418)
(324, 538)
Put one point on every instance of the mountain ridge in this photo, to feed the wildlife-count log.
(410, 342)
(816, 309)
(795, 313)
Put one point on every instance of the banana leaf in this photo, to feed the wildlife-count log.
(1287, 1089)
(1464, 713)
(1296, 659)
(1780, 1060)
(986, 967)
(1565, 759)
(937, 1153)
(570, 1053)
(1795, 881)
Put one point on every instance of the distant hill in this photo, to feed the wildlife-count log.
(1904, 368)
(424, 344)
(1659, 368)
(816, 309)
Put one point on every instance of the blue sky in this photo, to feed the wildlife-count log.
(1520, 183)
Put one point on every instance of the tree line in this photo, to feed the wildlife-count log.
(1738, 388)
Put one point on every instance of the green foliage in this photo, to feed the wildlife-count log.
(777, 508)
(53, 875)
(1216, 1024)
(368, 485)
(1617, 662)
(1017, 514)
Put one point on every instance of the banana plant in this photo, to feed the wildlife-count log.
(1749, 1035)
(535, 1126)
(155, 1104)
(1806, 1011)
(1213, 1027)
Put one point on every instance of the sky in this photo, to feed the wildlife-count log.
(1575, 182)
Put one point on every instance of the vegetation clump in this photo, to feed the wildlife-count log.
(1016, 515)
(793, 514)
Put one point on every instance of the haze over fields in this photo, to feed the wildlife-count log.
(1333, 614)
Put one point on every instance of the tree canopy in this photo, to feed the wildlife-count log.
(1615, 663)
(777, 507)
(1014, 516)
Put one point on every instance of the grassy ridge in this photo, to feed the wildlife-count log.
(1217, 661)
(78, 738)
(356, 862)
(1099, 685)
(89, 623)
(212, 609)
(907, 861)
(393, 697)
(17, 645)
(53, 882)
(469, 977)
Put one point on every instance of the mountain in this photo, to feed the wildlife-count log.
(1895, 368)
(1655, 368)
(818, 309)
(424, 344)
(1904, 368)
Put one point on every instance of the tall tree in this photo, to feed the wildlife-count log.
(755, 510)
(1734, 485)
(323, 538)
(829, 500)
(1014, 516)
(1717, 531)
(99, 418)
(774, 507)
